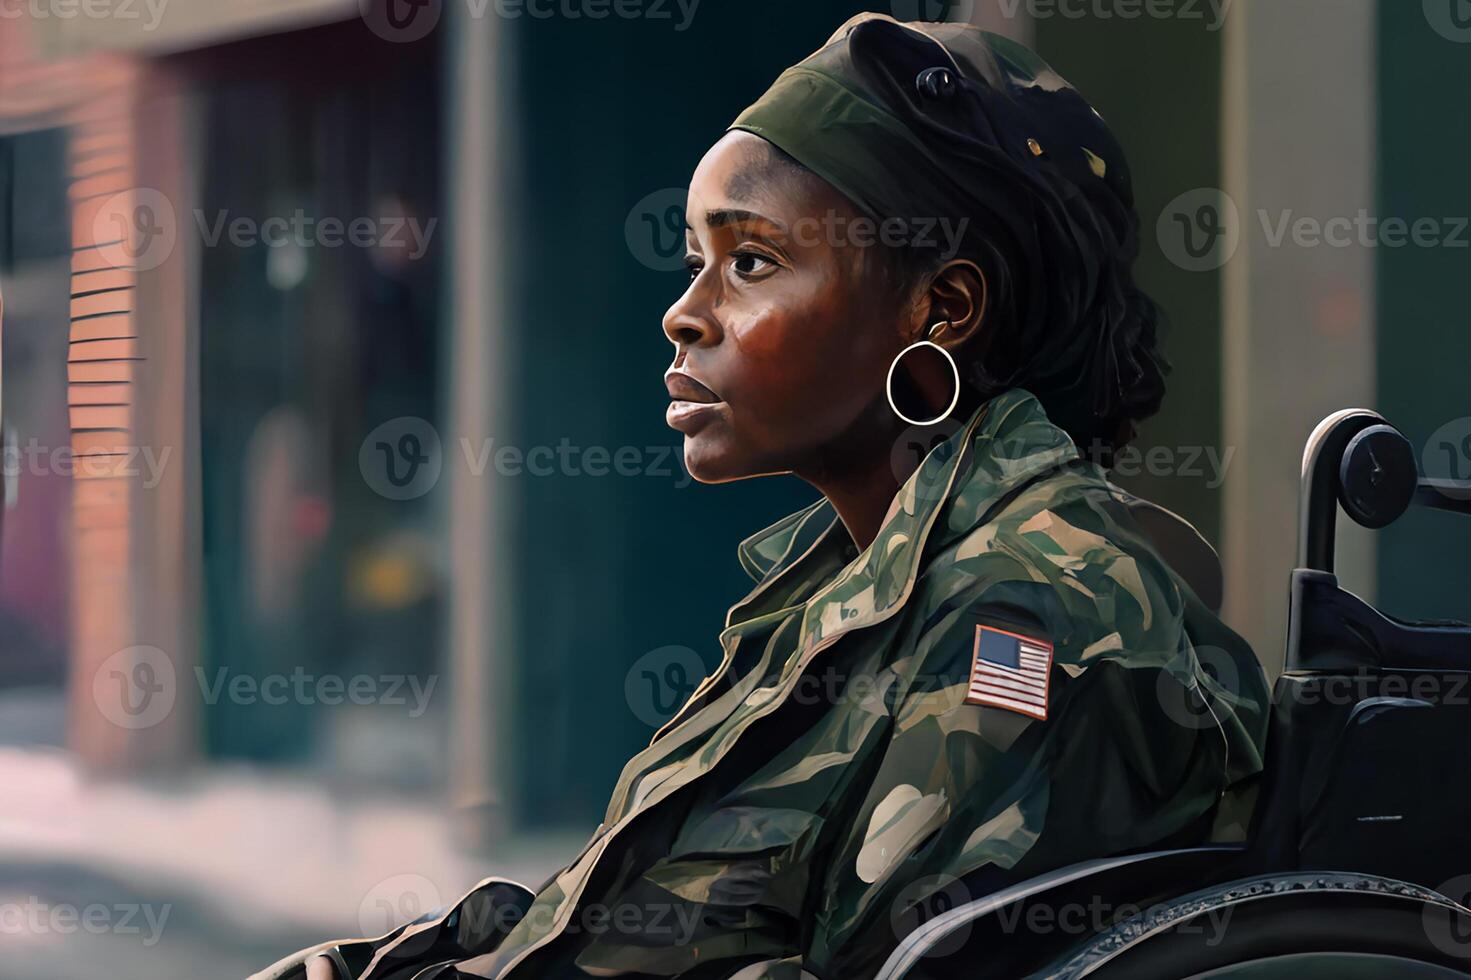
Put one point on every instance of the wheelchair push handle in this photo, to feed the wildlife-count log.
(1357, 460)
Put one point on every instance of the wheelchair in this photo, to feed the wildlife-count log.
(1357, 857)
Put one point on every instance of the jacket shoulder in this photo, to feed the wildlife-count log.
(1063, 558)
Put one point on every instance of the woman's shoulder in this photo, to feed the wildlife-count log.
(1064, 555)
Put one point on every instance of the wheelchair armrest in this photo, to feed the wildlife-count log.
(1116, 880)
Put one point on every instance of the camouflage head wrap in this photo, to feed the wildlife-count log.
(923, 122)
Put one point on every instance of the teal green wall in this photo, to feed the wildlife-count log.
(1158, 84)
(1424, 326)
(616, 567)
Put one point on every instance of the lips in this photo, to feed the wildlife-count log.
(692, 405)
(683, 388)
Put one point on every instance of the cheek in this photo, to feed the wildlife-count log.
(781, 350)
(801, 330)
(809, 368)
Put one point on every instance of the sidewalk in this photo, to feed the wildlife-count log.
(217, 875)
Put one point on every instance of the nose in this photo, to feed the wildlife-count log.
(689, 323)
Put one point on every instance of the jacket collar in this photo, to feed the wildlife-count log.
(1007, 441)
(1005, 444)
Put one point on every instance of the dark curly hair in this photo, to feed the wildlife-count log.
(1112, 376)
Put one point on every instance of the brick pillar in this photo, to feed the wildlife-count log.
(100, 396)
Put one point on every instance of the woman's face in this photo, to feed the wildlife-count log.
(784, 338)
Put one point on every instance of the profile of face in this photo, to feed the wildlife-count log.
(787, 330)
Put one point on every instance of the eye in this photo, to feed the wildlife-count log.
(693, 266)
(750, 265)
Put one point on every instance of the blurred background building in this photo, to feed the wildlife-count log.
(345, 553)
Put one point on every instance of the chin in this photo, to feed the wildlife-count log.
(706, 463)
(710, 462)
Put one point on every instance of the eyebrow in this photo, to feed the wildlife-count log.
(723, 217)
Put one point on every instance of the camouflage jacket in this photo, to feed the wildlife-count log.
(847, 760)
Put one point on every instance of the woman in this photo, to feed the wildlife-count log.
(965, 660)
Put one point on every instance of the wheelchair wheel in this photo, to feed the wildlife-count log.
(1301, 926)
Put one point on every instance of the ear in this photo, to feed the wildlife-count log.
(956, 300)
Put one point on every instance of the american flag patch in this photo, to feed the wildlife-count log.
(1010, 671)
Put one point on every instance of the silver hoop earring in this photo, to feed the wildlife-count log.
(954, 371)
